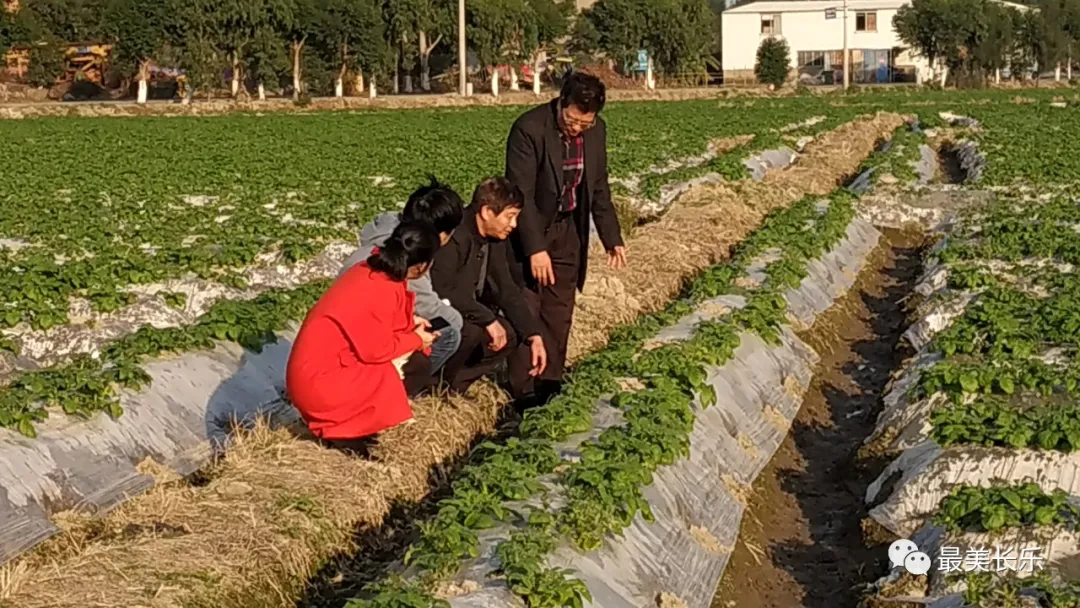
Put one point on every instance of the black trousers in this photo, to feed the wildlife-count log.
(474, 357)
(418, 378)
(553, 305)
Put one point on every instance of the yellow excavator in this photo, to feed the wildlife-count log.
(86, 61)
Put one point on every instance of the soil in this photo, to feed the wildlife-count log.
(949, 164)
(801, 542)
(377, 550)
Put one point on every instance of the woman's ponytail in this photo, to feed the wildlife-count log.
(410, 244)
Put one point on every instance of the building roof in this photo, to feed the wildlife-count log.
(812, 6)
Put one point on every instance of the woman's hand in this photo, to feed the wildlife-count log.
(422, 322)
(426, 337)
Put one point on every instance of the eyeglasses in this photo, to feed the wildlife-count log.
(577, 122)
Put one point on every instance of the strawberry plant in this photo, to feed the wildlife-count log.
(521, 564)
(396, 592)
(978, 509)
(86, 386)
(994, 421)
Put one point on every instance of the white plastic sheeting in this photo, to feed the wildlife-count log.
(89, 465)
(769, 160)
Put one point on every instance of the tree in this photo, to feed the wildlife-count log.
(351, 36)
(687, 28)
(678, 34)
(1024, 54)
(499, 28)
(193, 37)
(1052, 37)
(420, 26)
(30, 26)
(9, 31)
(66, 20)
(136, 30)
(47, 62)
(268, 59)
(617, 28)
(243, 22)
(553, 22)
(994, 50)
(773, 62)
(302, 28)
(946, 31)
(1072, 28)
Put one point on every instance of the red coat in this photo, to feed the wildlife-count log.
(340, 374)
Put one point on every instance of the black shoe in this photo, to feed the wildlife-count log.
(526, 402)
(547, 389)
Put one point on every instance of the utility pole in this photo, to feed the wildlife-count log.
(847, 54)
(462, 53)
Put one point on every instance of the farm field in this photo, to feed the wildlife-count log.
(981, 423)
(128, 242)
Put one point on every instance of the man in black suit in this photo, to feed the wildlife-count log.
(557, 155)
(473, 271)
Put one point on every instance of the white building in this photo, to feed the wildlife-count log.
(814, 30)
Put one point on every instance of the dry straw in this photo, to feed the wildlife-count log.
(278, 507)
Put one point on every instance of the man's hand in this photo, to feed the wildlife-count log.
(422, 322)
(538, 354)
(616, 258)
(497, 333)
(541, 268)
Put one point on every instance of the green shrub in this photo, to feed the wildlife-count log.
(773, 62)
(47, 65)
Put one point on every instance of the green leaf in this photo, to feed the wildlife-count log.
(1045, 516)
(1006, 384)
(1012, 498)
(27, 428)
(969, 382)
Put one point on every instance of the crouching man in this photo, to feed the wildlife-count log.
(441, 207)
(473, 271)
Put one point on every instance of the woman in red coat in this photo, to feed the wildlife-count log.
(344, 372)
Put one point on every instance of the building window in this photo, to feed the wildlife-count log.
(866, 22)
(770, 24)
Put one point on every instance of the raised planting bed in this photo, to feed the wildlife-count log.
(632, 484)
(981, 425)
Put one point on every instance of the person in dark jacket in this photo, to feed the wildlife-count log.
(473, 272)
(557, 154)
(440, 206)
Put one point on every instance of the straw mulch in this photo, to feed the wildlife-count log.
(702, 226)
(277, 508)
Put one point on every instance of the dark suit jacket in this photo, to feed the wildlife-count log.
(455, 272)
(534, 154)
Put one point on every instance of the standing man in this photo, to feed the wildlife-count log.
(557, 155)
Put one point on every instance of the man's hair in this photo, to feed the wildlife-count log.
(436, 204)
(583, 91)
(498, 194)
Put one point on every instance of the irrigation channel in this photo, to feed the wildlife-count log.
(806, 538)
(801, 542)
